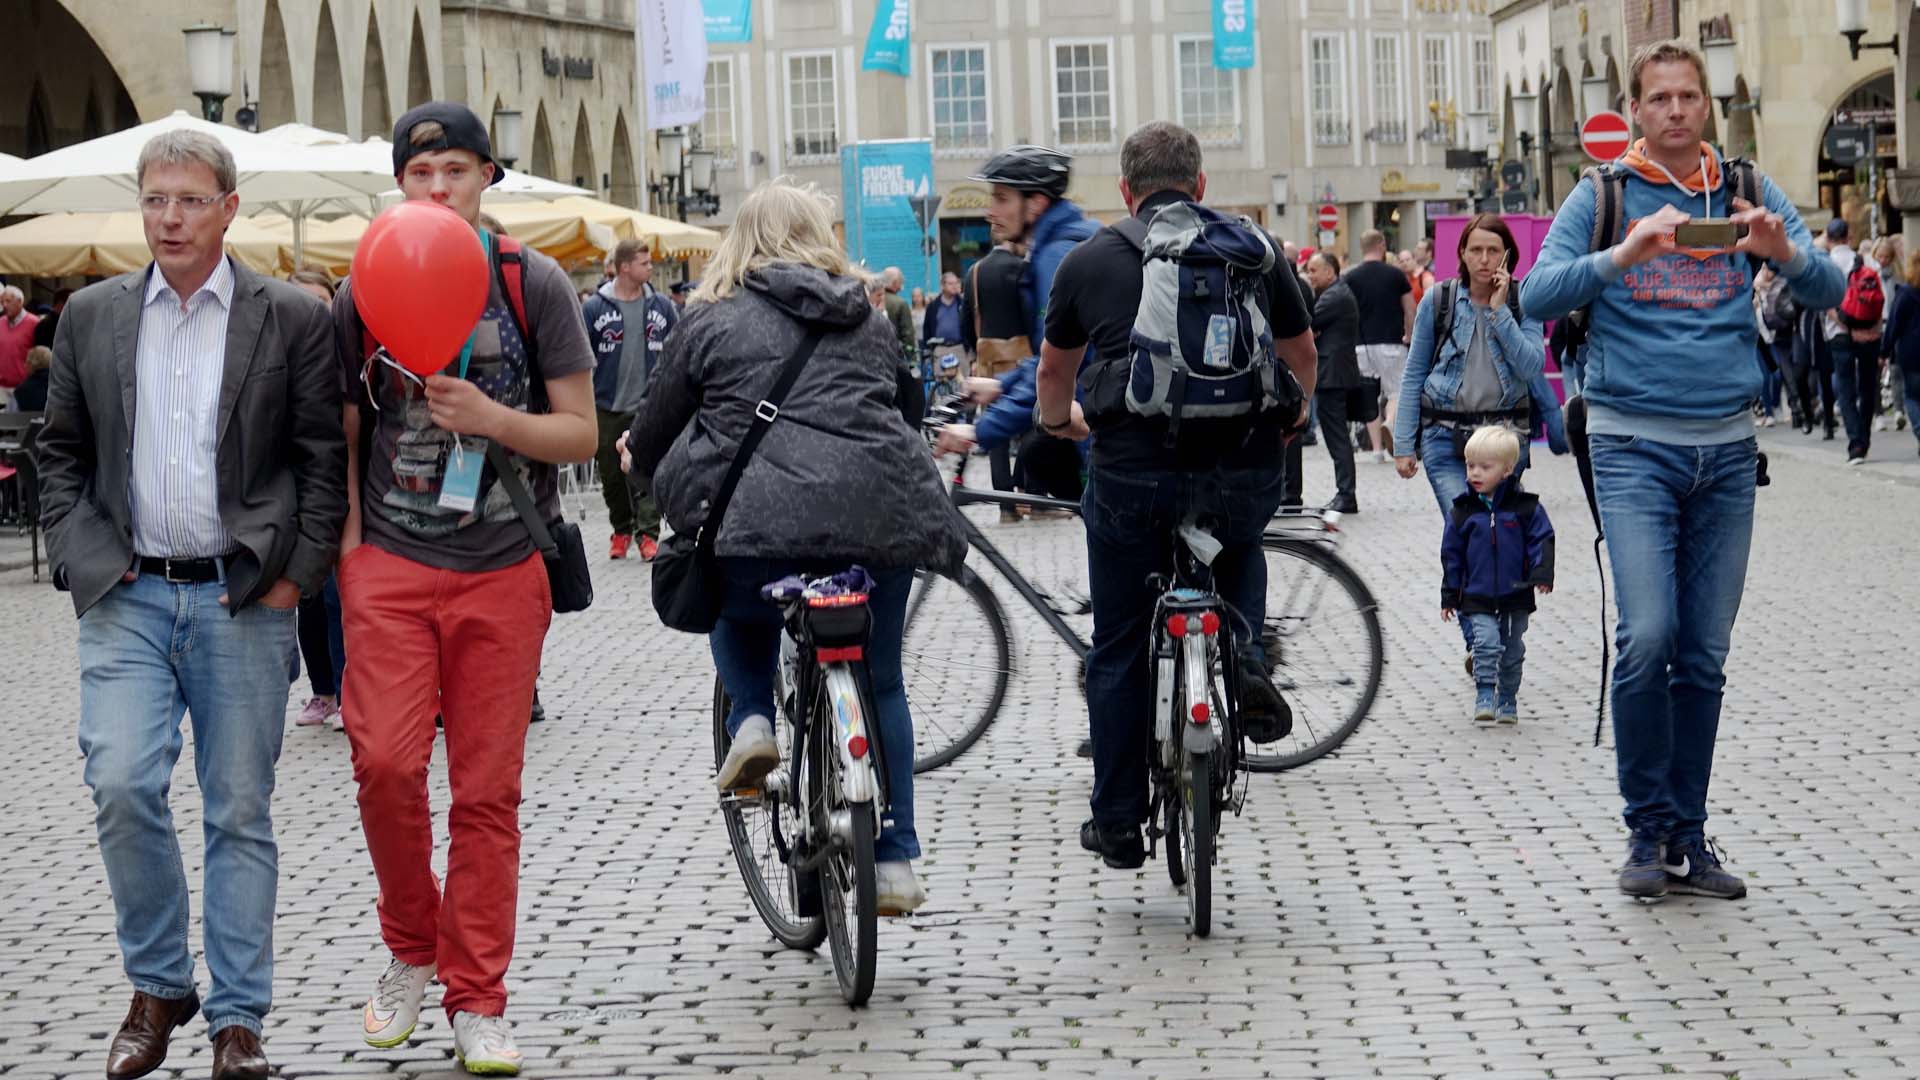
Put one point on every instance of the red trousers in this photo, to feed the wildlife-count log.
(467, 647)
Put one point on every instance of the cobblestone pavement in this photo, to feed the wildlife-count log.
(1435, 900)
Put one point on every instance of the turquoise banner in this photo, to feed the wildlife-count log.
(886, 189)
(1233, 34)
(889, 43)
(728, 20)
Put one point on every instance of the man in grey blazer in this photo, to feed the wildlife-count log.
(193, 485)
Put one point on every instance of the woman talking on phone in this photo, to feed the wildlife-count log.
(1472, 356)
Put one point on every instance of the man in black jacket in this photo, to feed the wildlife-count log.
(1341, 396)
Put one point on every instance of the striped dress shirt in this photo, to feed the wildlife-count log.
(179, 363)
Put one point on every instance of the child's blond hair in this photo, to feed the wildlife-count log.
(1494, 443)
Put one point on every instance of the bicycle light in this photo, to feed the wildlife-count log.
(1201, 713)
(857, 746)
(1177, 626)
(1210, 623)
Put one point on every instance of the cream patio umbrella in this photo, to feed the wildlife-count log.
(568, 239)
(274, 174)
(377, 153)
(101, 245)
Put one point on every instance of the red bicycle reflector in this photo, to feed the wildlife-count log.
(1201, 712)
(1177, 625)
(840, 656)
(857, 746)
(1210, 623)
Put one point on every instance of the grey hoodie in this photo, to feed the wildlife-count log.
(840, 475)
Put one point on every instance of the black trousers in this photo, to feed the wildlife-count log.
(1337, 409)
(1048, 466)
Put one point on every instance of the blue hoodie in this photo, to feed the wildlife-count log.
(1052, 236)
(1671, 343)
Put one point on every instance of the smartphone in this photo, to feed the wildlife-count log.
(1708, 233)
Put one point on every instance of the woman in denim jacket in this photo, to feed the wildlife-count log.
(1480, 375)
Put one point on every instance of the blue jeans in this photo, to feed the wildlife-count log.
(1130, 520)
(746, 651)
(1499, 645)
(149, 652)
(1679, 522)
(1856, 382)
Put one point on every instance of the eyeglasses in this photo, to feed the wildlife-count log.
(155, 205)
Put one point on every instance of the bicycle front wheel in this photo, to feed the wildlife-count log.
(751, 817)
(848, 891)
(956, 658)
(1197, 839)
(1324, 650)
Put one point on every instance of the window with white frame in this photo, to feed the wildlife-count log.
(1436, 65)
(1327, 88)
(1083, 93)
(813, 108)
(715, 131)
(958, 84)
(1482, 76)
(1389, 104)
(1207, 98)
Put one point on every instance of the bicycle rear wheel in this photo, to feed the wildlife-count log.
(1197, 838)
(848, 892)
(956, 658)
(1324, 650)
(771, 884)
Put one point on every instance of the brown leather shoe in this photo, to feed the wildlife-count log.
(237, 1055)
(140, 1045)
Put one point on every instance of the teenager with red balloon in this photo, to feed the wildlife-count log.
(455, 345)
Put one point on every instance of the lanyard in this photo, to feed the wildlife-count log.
(466, 351)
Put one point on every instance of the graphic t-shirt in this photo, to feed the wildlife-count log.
(407, 456)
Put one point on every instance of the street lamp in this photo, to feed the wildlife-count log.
(210, 65)
(1721, 61)
(685, 181)
(1595, 95)
(506, 130)
(1852, 17)
(1524, 115)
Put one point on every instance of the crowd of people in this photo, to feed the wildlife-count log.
(309, 495)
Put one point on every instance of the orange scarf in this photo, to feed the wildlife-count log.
(1636, 159)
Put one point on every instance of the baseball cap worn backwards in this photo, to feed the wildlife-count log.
(460, 129)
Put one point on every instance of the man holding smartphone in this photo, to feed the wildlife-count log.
(1670, 377)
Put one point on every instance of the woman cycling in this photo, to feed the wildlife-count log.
(840, 478)
(1479, 375)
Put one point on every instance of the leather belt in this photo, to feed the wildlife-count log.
(185, 571)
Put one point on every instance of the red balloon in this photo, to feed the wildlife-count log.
(420, 283)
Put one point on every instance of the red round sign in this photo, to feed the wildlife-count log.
(1329, 217)
(1604, 136)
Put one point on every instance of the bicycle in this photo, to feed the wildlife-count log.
(816, 883)
(1324, 646)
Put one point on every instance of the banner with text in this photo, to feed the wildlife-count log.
(1233, 34)
(886, 192)
(889, 42)
(729, 20)
(673, 50)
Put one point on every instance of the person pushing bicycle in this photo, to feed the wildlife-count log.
(1203, 438)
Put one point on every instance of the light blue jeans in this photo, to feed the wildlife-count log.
(1499, 645)
(149, 653)
(1679, 522)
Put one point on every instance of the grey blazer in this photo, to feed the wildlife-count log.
(281, 459)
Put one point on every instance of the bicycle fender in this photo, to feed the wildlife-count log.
(856, 773)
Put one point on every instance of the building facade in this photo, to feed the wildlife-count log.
(1349, 102)
(86, 67)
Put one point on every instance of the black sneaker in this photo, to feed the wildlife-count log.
(1693, 867)
(1119, 846)
(1264, 714)
(1643, 875)
(1084, 750)
(539, 712)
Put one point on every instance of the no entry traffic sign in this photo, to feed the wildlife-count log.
(1329, 217)
(1604, 136)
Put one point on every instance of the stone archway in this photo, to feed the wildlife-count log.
(60, 85)
(585, 172)
(376, 113)
(329, 87)
(540, 156)
(1842, 189)
(276, 71)
(419, 74)
(625, 188)
(1741, 140)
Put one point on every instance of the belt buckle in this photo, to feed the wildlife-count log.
(167, 571)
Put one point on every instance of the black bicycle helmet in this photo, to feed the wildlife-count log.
(1029, 168)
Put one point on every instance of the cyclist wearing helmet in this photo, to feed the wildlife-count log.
(1030, 207)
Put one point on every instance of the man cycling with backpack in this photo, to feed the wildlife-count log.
(1158, 460)
(1670, 378)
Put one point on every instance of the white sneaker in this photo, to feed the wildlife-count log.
(752, 754)
(1857, 461)
(1379, 457)
(483, 1046)
(394, 1009)
(897, 890)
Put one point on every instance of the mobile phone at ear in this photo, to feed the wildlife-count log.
(1708, 233)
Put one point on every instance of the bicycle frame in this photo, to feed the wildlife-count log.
(814, 674)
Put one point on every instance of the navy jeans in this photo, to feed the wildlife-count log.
(1856, 382)
(1130, 518)
(1679, 522)
(746, 650)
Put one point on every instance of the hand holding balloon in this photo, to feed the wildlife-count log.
(459, 406)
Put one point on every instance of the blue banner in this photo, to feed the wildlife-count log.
(1232, 34)
(880, 184)
(889, 43)
(728, 20)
